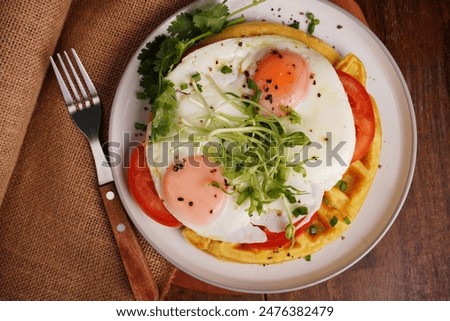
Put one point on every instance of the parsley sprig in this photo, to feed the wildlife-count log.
(159, 57)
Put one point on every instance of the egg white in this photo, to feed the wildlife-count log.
(327, 120)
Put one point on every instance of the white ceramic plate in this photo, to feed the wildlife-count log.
(385, 83)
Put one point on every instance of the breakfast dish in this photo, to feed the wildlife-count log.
(250, 128)
(323, 202)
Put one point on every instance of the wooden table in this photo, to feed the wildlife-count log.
(412, 261)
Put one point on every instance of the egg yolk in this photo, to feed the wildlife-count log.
(283, 78)
(187, 190)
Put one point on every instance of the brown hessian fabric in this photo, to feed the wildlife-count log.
(55, 238)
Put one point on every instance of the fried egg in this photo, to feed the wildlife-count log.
(290, 76)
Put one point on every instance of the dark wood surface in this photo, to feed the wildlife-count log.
(412, 261)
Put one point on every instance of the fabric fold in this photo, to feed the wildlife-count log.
(28, 35)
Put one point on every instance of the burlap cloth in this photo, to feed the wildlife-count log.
(55, 239)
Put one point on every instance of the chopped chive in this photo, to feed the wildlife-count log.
(200, 88)
(308, 258)
(302, 210)
(140, 126)
(196, 77)
(291, 198)
(347, 220)
(312, 22)
(183, 86)
(333, 221)
(295, 25)
(141, 95)
(225, 70)
(342, 185)
(313, 230)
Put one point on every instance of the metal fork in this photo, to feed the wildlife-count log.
(86, 114)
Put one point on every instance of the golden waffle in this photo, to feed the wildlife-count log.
(339, 203)
(258, 28)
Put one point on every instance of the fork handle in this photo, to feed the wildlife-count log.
(138, 270)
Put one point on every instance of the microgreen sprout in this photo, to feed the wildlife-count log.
(251, 148)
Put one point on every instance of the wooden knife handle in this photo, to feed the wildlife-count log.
(138, 270)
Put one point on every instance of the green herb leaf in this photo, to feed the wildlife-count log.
(347, 220)
(213, 19)
(313, 22)
(342, 185)
(226, 69)
(196, 77)
(140, 126)
(150, 78)
(168, 55)
(313, 230)
(302, 210)
(251, 84)
(295, 25)
(183, 27)
(164, 111)
(333, 221)
(141, 95)
(290, 197)
(308, 258)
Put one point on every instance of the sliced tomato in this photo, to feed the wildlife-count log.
(362, 113)
(277, 240)
(142, 188)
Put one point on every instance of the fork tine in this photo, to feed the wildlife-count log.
(65, 91)
(71, 84)
(85, 75)
(79, 83)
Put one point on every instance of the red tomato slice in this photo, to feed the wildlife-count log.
(141, 186)
(362, 113)
(277, 240)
